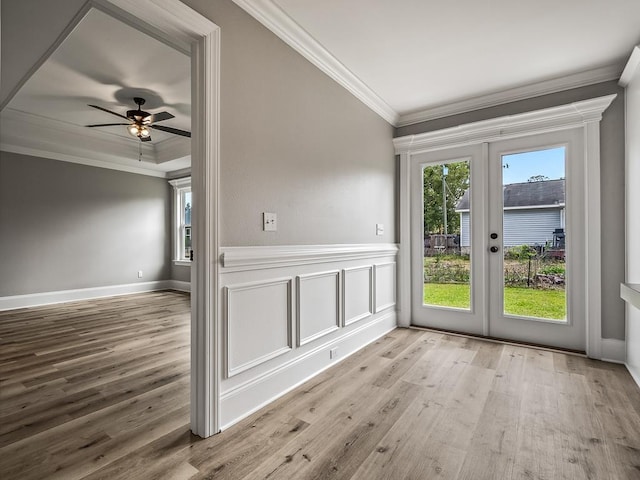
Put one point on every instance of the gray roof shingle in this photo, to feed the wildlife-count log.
(526, 194)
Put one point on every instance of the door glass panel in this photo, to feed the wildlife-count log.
(533, 236)
(447, 235)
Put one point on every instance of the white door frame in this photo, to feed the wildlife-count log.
(584, 114)
(176, 24)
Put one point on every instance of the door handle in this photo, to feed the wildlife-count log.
(494, 249)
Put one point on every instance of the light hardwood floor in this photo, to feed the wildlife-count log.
(100, 390)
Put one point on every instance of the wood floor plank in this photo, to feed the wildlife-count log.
(491, 453)
(99, 390)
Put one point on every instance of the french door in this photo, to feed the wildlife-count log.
(497, 241)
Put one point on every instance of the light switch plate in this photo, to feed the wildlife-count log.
(269, 222)
(379, 229)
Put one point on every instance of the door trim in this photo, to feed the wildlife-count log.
(585, 114)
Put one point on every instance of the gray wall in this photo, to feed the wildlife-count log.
(66, 226)
(181, 273)
(295, 143)
(612, 182)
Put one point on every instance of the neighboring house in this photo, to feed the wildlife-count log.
(532, 212)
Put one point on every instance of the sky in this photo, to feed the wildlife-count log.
(522, 166)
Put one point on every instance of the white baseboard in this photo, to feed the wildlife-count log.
(635, 373)
(245, 399)
(179, 286)
(49, 298)
(613, 350)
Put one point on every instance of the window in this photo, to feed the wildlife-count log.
(183, 202)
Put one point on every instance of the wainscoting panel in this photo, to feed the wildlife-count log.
(358, 293)
(258, 323)
(385, 282)
(276, 337)
(318, 302)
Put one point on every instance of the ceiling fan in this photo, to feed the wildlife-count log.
(140, 121)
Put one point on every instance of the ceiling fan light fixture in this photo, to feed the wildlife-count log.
(140, 122)
(137, 130)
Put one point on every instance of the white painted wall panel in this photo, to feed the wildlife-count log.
(318, 305)
(358, 293)
(258, 323)
(331, 281)
(385, 283)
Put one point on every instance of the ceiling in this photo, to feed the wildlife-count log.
(49, 113)
(408, 60)
(412, 60)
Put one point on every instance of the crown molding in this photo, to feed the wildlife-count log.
(631, 68)
(567, 82)
(539, 121)
(172, 148)
(30, 134)
(181, 182)
(80, 160)
(275, 19)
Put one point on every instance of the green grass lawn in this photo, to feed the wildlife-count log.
(527, 302)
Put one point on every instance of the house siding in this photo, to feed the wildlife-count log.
(540, 224)
(465, 230)
(530, 227)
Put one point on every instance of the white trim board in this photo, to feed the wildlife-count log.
(179, 285)
(572, 115)
(251, 258)
(62, 296)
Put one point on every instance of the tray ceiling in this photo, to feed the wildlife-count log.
(106, 63)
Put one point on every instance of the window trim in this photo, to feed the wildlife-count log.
(180, 187)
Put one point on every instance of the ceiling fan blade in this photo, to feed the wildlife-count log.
(108, 111)
(106, 124)
(159, 117)
(145, 139)
(175, 131)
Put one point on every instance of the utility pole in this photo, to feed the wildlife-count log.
(445, 171)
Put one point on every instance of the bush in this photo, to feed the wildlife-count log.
(450, 270)
(553, 269)
(521, 252)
